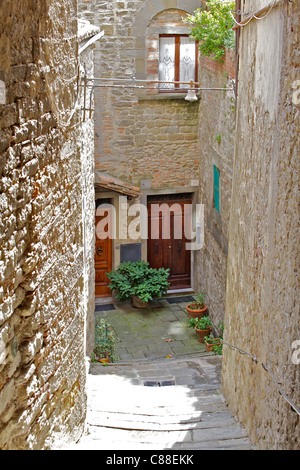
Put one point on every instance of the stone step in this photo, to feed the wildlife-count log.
(178, 422)
(125, 414)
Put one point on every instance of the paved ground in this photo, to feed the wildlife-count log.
(164, 391)
(157, 331)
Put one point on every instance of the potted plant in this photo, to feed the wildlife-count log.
(104, 345)
(138, 282)
(214, 344)
(210, 342)
(202, 326)
(198, 308)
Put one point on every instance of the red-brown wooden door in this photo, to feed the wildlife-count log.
(168, 234)
(103, 252)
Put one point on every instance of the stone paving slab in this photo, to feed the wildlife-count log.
(160, 330)
(164, 392)
(189, 414)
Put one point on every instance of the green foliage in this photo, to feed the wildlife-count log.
(212, 27)
(104, 345)
(203, 323)
(218, 138)
(217, 348)
(210, 339)
(138, 279)
(221, 328)
(199, 303)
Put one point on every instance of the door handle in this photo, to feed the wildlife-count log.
(99, 251)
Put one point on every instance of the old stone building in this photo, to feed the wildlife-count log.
(88, 35)
(262, 300)
(152, 146)
(47, 223)
(216, 149)
(82, 120)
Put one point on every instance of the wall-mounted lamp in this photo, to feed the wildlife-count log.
(191, 96)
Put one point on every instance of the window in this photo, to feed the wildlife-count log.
(216, 200)
(178, 61)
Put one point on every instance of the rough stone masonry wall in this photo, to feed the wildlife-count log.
(86, 56)
(139, 136)
(216, 141)
(42, 350)
(262, 307)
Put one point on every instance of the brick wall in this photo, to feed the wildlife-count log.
(42, 350)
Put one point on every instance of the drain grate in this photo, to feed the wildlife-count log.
(159, 383)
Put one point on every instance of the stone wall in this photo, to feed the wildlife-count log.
(158, 141)
(262, 306)
(139, 136)
(42, 312)
(87, 34)
(216, 141)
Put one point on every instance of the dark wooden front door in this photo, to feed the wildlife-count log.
(103, 252)
(168, 234)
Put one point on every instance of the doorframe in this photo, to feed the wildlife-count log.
(115, 203)
(173, 191)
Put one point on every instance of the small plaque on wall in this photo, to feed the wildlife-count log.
(130, 252)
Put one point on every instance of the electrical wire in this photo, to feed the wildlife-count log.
(269, 11)
(270, 7)
(266, 368)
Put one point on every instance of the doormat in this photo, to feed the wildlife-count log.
(104, 307)
(177, 300)
(160, 383)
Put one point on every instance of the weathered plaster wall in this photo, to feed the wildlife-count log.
(216, 142)
(262, 306)
(42, 314)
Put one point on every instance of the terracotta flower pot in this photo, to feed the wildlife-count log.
(198, 313)
(202, 333)
(104, 360)
(208, 346)
(137, 302)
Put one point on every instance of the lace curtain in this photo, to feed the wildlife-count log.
(187, 60)
(167, 62)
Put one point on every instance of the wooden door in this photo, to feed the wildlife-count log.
(103, 251)
(168, 234)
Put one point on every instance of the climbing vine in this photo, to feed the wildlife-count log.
(212, 27)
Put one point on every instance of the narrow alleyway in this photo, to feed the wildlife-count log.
(164, 391)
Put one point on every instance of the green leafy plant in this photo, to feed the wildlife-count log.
(212, 27)
(210, 339)
(221, 329)
(218, 138)
(138, 279)
(217, 348)
(203, 323)
(104, 344)
(199, 302)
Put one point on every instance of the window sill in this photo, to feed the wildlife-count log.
(164, 96)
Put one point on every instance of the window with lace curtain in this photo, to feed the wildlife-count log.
(178, 61)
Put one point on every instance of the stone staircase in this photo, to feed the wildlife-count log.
(167, 404)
